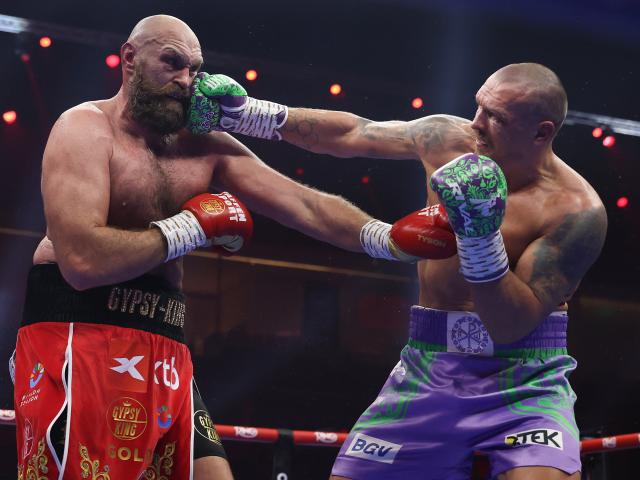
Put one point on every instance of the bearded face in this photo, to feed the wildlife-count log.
(163, 109)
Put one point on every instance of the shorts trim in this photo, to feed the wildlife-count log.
(191, 444)
(67, 365)
(524, 353)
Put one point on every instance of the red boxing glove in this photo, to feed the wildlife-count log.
(226, 222)
(205, 220)
(423, 234)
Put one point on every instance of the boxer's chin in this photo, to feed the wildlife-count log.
(162, 115)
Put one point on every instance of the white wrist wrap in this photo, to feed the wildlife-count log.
(182, 232)
(374, 238)
(482, 259)
(259, 118)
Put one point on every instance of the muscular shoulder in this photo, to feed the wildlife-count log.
(573, 199)
(88, 121)
(439, 138)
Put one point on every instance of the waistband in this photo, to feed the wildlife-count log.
(146, 303)
(463, 332)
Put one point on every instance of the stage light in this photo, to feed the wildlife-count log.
(9, 117)
(45, 42)
(335, 89)
(112, 60)
(609, 141)
(365, 179)
(251, 75)
(417, 102)
(25, 57)
(597, 132)
(622, 202)
(299, 171)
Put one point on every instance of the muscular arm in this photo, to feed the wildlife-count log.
(343, 134)
(76, 191)
(323, 216)
(547, 274)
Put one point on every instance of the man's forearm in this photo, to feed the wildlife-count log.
(321, 131)
(108, 255)
(508, 308)
(326, 217)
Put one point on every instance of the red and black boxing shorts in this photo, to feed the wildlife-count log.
(104, 383)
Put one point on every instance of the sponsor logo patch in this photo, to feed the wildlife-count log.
(170, 377)
(544, 436)
(129, 366)
(204, 426)
(164, 418)
(374, 449)
(127, 418)
(469, 335)
(36, 375)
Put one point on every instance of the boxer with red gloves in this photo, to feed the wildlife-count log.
(104, 381)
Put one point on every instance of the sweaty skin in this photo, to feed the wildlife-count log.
(555, 223)
(112, 166)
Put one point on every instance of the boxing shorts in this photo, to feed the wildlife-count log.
(454, 392)
(104, 383)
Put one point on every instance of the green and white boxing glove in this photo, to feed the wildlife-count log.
(220, 103)
(473, 190)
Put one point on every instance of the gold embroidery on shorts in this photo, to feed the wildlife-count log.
(162, 463)
(92, 467)
(37, 464)
(20, 472)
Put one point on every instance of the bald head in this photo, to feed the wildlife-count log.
(158, 27)
(541, 91)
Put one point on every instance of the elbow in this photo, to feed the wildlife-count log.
(78, 272)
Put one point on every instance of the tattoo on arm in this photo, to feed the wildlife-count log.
(562, 258)
(304, 127)
(437, 133)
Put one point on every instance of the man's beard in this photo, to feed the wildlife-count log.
(152, 106)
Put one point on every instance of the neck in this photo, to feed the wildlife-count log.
(528, 171)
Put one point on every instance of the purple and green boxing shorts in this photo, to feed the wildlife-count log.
(454, 392)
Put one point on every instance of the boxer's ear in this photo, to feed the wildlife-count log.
(545, 132)
(127, 55)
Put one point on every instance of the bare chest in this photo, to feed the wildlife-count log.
(147, 185)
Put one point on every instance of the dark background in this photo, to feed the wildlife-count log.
(288, 346)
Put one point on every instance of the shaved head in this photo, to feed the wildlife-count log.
(150, 28)
(542, 93)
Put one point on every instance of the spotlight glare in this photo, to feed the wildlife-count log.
(335, 89)
(597, 132)
(112, 60)
(9, 117)
(622, 202)
(25, 57)
(45, 42)
(609, 141)
(365, 179)
(417, 102)
(299, 171)
(251, 75)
